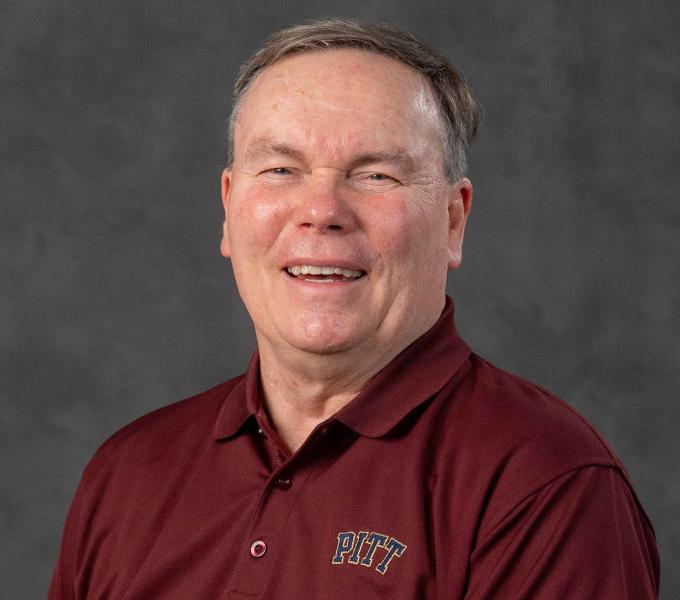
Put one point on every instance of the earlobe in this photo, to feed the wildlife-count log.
(226, 186)
(459, 205)
(224, 243)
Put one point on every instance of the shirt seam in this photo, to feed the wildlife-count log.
(618, 539)
(545, 480)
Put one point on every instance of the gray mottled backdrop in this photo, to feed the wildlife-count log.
(114, 299)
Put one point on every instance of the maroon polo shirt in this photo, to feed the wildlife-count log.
(444, 478)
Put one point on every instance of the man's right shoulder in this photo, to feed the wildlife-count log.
(163, 432)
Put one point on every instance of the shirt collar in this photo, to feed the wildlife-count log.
(240, 403)
(414, 375)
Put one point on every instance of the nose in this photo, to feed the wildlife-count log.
(324, 205)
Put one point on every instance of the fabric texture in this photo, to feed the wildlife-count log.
(444, 478)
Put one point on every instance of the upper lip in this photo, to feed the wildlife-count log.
(323, 262)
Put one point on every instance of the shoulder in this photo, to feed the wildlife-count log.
(513, 416)
(162, 434)
(506, 437)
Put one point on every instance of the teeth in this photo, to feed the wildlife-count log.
(347, 272)
(317, 270)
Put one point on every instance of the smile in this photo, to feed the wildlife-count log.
(325, 274)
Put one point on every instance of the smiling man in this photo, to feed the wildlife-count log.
(366, 452)
(338, 171)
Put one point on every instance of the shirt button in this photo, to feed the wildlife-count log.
(258, 548)
(284, 483)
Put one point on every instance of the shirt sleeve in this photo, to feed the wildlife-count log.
(582, 536)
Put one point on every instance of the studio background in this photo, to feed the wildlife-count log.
(114, 299)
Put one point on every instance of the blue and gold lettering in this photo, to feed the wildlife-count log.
(351, 545)
(354, 559)
(376, 540)
(345, 544)
(394, 548)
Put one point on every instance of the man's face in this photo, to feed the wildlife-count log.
(338, 166)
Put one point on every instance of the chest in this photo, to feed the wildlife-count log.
(340, 521)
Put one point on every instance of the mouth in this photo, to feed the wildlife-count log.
(324, 274)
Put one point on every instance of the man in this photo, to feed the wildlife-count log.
(366, 452)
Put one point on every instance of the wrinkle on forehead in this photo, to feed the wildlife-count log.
(312, 101)
(351, 72)
(321, 102)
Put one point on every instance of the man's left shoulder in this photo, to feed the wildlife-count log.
(516, 434)
(531, 478)
(533, 420)
(502, 439)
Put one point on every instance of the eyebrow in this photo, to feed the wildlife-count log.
(265, 147)
(396, 156)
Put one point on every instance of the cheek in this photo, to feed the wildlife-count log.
(412, 229)
(256, 218)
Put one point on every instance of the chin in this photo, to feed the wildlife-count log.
(322, 349)
(317, 339)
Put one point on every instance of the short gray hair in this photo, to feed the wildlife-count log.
(458, 107)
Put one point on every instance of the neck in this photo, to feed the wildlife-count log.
(302, 389)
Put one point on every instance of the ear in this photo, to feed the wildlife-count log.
(459, 205)
(226, 186)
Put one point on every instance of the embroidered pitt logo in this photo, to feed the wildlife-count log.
(361, 549)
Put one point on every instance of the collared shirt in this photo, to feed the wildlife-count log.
(444, 478)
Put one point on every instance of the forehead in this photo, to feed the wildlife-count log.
(346, 64)
(336, 96)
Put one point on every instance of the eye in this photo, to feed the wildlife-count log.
(278, 171)
(280, 176)
(375, 179)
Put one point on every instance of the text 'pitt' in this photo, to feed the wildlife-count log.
(361, 548)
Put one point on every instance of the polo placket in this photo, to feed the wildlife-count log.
(265, 539)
